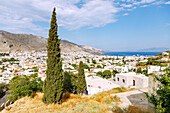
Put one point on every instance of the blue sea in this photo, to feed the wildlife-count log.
(131, 53)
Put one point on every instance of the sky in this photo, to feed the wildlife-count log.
(110, 25)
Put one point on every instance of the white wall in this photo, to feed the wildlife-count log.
(141, 81)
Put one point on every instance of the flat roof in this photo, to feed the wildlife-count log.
(132, 74)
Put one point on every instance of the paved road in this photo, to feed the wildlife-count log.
(136, 98)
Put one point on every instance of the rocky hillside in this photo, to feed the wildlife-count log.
(28, 42)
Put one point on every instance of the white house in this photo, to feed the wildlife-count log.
(1, 79)
(4, 78)
(121, 69)
(154, 69)
(165, 53)
(96, 84)
(132, 80)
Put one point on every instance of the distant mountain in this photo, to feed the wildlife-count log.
(28, 42)
(67, 46)
(154, 50)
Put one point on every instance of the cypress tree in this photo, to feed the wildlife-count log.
(53, 85)
(81, 79)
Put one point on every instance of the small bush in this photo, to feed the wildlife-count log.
(89, 75)
(108, 101)
(115, 98)
(65, 96)
(21, 86)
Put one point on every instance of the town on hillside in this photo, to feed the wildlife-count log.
(102, 72)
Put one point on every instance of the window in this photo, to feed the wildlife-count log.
(123, 80)
(133, 82)
(117, 79)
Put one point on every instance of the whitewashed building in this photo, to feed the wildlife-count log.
(121, 69)
(154, 69)
(132, 80)
(97, 84)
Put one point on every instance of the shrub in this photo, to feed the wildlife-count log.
(162, 98)
(107, 74)
(99, 73)
(94, 61)
(89, 75)
(34, 75)
(35, 69)
(139, 70)
(88, 61)
(75, 66)
(71, 82)
(86, 66)
(99, 66)
(115, 98)
(21, 86)
(65, 96)
(108, 101)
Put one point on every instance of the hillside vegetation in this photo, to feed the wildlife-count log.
(99, 103)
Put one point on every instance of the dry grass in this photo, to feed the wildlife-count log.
(131, 109)
(98, 103)
(100, 97)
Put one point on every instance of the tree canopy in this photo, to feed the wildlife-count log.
(53, 85)
(81, 79)
(162, 98)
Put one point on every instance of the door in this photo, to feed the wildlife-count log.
(133, 82)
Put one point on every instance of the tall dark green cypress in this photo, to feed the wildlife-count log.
(81, 87)
(53, 85)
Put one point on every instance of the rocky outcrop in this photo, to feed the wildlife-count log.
(21, 42)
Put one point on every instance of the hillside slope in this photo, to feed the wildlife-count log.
(103, 102)
(21, 42)
(72, 103)
(28, 42)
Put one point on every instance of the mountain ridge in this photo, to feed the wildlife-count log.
(11, 42)
(156, 49)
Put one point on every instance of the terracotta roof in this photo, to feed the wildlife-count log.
(140, 66)
(90, 72)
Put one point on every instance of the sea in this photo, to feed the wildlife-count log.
(131, 53)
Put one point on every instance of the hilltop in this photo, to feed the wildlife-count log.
(27, 42)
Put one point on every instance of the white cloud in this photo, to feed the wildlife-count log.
(93, 13)
(131, 9)
(167, 2)
(22, 15)
(143, 2)
(125, 14)
(127, 5)
(144, 5)
(18, 14)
